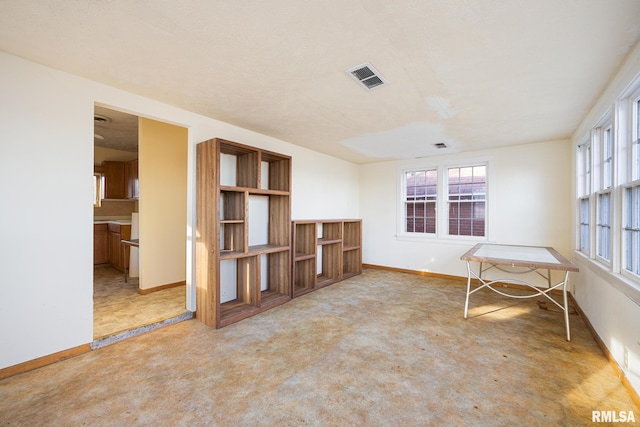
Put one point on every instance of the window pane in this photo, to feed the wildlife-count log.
(466, 195)
(420, 201)
(421, 217)
(607, 173)
(584, 225)
(604, 226)
(631, 229)
(635, 149)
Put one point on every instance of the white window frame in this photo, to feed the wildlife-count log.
(451, 202)
(631, 228)
(442, 205)
(603, 170)
(584, 216)
(405, 201)
(623, 117)
(631, 183)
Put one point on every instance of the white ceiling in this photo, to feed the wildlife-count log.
(469, 73)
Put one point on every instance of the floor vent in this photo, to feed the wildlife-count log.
(367, 76)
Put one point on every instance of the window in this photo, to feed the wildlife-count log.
(444, 201)
(467, 189)
(97, 189)
(631, 199)
(420, 201)
(608, 189)
(604, 169)
(631, 230)
(584, 190)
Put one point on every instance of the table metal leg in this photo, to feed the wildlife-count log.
(466, 302)
(566, 305)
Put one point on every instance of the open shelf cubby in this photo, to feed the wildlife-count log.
(243, 216)
(325, 252)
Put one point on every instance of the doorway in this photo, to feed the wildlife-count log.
(136, 288)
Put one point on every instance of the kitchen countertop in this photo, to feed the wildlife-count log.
(112, 221)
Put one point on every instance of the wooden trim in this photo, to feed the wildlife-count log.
(161, 287)
(612, 361)
(451, 277)
(420, 273)
(43, 361)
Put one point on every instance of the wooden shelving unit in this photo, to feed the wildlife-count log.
(243, 249)
(325, 252)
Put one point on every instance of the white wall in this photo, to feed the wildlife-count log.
(611, 304)
(46, 168)
(46, 159)
(529, 203)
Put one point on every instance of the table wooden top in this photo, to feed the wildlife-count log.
(519, 256)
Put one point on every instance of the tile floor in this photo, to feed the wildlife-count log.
(117, 306)
(380, 349)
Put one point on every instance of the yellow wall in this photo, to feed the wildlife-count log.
(163, 203)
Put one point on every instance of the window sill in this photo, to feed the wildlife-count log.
(433, 238)
(627, 286)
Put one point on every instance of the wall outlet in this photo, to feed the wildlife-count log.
(626, 358)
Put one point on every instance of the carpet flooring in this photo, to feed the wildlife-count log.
(380, 349)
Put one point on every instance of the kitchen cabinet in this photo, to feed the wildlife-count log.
(114, 180)
(121, 180)
(100, 244)
(116, 233)
(131, 174)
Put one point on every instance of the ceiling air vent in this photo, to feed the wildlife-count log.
(440, 145)
(366, 75)
(100, 118)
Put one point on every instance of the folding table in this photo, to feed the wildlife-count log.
(533, 258)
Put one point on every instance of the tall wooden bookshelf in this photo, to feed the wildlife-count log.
(243, 240)
(325, 252)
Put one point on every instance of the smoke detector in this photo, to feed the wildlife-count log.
(367, 76)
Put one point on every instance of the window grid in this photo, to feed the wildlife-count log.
(466, 195)
(420, 201)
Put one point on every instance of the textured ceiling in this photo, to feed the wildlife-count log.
(472, 74)
(115, 130)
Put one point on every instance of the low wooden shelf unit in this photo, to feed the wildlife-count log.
(325, 252)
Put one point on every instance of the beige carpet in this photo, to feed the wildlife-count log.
(380, 349)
